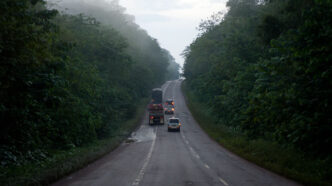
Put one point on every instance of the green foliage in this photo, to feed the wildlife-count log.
(65, 161)
(286, 161)
(266, 69)
(297, 99)
(67, 80)
(27, 73)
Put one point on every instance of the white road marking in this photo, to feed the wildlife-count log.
(164, 90)
(146, 162)
(195, 154)
(173, 90)
(223, 181)
(192, 150)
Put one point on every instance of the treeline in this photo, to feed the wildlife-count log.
(67, 79)
(265, 69)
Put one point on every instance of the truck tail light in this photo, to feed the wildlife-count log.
(151, 117)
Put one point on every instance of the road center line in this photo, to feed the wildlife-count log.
(223, 181)
(164, 90)
(195, 154)
(173, 89)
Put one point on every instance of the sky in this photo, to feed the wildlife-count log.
(172, 22)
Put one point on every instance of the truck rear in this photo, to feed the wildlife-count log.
(156, 109)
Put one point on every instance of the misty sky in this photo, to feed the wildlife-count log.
(172, 22)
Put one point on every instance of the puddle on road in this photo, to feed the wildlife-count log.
(144, 133)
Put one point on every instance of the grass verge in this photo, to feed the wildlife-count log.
(63, 163)
(287, 162)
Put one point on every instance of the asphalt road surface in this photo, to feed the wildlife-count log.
(155, 157)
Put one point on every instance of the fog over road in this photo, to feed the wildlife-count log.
(154, 157)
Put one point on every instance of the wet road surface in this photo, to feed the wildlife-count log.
(155, 157)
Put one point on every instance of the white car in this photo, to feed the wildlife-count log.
(173, 124)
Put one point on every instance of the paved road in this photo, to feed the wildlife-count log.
(161, 158)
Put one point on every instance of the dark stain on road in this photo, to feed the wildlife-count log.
(189, 183)
(130, 140)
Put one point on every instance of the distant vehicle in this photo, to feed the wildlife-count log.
(169, 102)
(169, 109)
(173, 124)
(155, 108)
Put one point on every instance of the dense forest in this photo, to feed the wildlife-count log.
(71, 76)
(264, 68)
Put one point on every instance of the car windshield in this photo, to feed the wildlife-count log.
(174, 121)
(169, 101)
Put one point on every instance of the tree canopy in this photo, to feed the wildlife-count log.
(67, 79)
(265, 68)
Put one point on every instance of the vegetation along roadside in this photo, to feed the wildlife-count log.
(64, 162)
(287, 162)
(70, 83)
(263, 71)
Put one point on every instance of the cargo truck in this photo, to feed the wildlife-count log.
(155, 107)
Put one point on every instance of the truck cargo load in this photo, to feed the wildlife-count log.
(157, 96)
